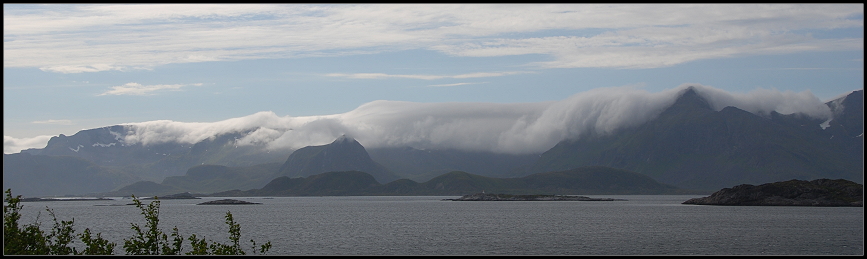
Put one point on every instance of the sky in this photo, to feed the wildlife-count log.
(512, 78)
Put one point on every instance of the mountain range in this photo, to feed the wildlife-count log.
(688, 147)
(584, 180)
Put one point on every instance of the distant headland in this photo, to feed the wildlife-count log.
(819, 193)
(540, 197)
(227, 202)
(62, 199)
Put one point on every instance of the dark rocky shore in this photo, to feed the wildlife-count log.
(820, 193)
(510, 197)
(70, 199)
(227, 202)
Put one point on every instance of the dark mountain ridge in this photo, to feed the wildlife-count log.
(688, 145)
(344, 154)
(40, 175)
(423, 165)
(107, 152)
(585, 180)
(106, 147)
(214, 178)
(691, 146)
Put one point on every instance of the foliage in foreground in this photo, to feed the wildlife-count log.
(30, 239)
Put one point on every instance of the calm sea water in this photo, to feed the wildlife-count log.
(367, 225)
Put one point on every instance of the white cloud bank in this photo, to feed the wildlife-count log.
(456, 84)
(91, 38)
(56, 122)
(139, 89)
(15, 145)
(425, 77)
(498, 127)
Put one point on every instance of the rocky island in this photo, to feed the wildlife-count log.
(178, 196)
(535, 197)
(227, 202)
(820, 192)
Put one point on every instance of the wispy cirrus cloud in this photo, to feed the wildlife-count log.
(811, 68)
(139, 89)
(91, 38)
(56, 122)
(645, 48)
(424, 77)
(81, 69)
(456, 84)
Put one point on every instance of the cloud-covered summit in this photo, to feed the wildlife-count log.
(498, 127)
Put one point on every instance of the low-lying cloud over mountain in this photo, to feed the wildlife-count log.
(14, 145)
(516, 128)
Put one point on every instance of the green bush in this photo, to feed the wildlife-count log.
(30, 239)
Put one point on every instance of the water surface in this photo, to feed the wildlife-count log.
(427, 225)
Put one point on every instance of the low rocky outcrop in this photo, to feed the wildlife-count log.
(510, 197)
(177, 196)
(227, 202)
(820, 192)
(69, 199)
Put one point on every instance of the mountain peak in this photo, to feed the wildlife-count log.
(344, 154)
(343, 139)
(691, 99)
(848, 114)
